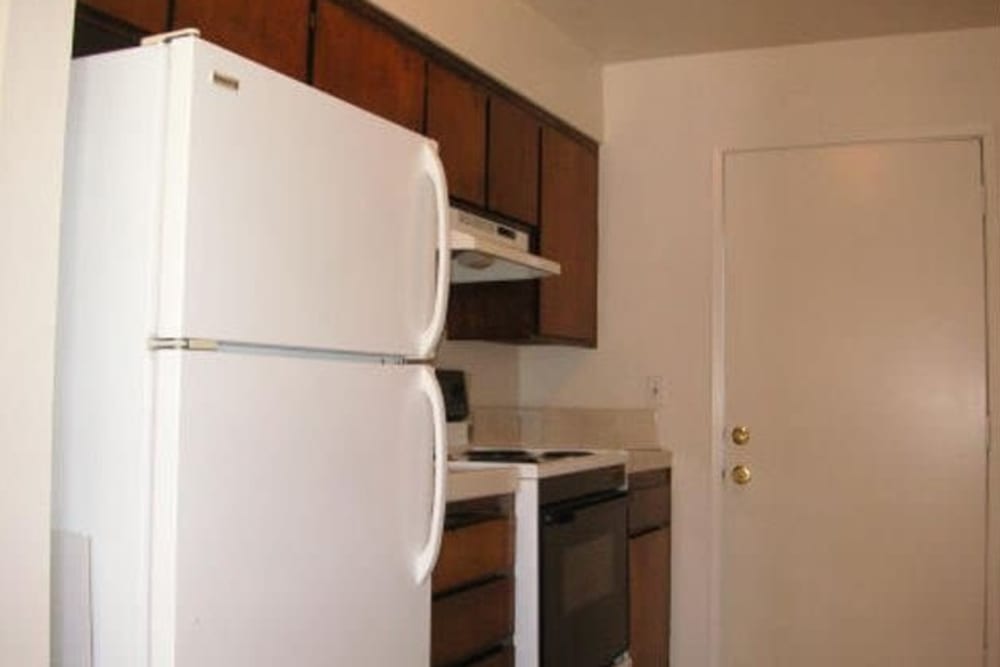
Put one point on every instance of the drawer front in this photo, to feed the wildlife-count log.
(468, 623)
(648, 502)
(474, 553)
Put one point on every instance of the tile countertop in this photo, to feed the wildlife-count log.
(464, 484)
(642, 460)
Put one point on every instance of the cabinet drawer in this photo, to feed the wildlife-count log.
(474, 553)
(467, 623)
(648, 501)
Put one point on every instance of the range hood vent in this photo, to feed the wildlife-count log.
(486, 251)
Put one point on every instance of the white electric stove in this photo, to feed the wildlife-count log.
(571, 584)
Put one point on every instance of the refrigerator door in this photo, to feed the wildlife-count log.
(292, 218)
(291, 511)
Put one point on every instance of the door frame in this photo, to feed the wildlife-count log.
(985, 135)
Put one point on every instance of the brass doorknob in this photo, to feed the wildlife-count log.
(741, 475)
(741, 435)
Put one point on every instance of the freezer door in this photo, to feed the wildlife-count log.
(290, 511)
(293, 218)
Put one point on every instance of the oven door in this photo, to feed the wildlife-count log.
(584, 596)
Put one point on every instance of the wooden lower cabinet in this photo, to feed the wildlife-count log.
(472, 613)
(466, 623)
(649, 568)
(649, 590)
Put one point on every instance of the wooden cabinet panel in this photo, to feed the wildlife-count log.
(94, 32)
(468, 623)
(568, 303)
(502, 658)
(649, 604)
(147, 15)
(362, 63)
(493, 311)
(513, 161)
(474, 553)
(648, 500)
(456, 118)
(273, 33)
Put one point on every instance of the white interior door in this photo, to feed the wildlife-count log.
(291, 503)
(293, 218)
(856, 358)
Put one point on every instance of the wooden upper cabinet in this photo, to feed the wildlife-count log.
(274, 33)
(363, 63)
(147, 15)
(456, 118)
(513, 161)
(568, 303)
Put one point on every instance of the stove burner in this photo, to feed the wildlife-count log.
(522, 455)
(560, 454)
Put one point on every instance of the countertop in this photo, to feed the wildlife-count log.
(468, 480)
(464, 484)
(642, 460)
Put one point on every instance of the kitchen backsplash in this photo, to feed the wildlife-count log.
(565, 427)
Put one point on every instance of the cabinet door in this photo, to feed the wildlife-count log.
(96, 32)
(649, 605)
(513, 161)
(456, 118)
(493, 311)
(362, 63)
(147, 15)
(273, 33)
(568, 303)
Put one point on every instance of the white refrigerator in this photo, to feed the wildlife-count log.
(249, 434)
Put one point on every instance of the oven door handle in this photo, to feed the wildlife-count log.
(565, 513)
(559, 518)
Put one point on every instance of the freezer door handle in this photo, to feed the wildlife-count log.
(429, 554)
(435, 170)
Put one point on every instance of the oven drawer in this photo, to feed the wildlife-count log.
(474, 553)
(648, 501)
(471, 621)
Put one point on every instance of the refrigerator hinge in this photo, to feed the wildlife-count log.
(192, 344)
(167, 37)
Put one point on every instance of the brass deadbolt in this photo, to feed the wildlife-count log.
(741, 435)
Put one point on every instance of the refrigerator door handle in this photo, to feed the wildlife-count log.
(428, 555)
(435, 170)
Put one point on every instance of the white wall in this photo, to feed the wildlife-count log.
(518, 46)
(663, 120)
(34, 68)
(491, 370)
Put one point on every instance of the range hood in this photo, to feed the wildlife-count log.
(487, 251)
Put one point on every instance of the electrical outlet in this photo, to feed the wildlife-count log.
(654, 390)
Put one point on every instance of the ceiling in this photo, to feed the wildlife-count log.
(617, 30)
